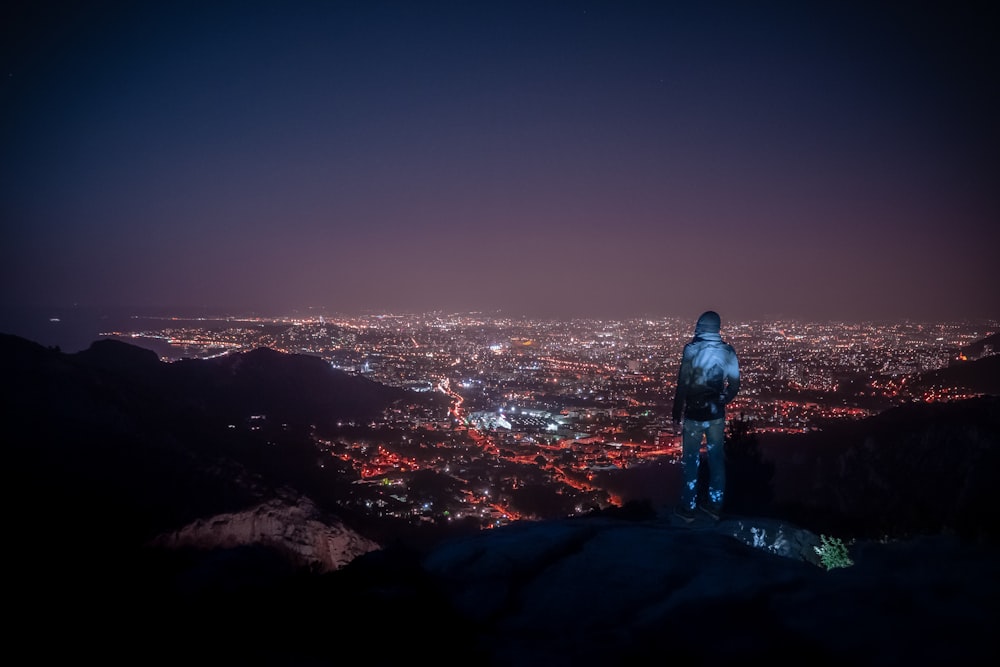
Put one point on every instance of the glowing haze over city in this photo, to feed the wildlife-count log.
(807, 161)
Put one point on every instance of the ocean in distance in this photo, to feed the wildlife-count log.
(75, 328)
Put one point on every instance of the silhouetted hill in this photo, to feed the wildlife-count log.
(112, 447)
(915, 469)
(293, 388)
(983, 347)
(301, 389)
(115, 355)
(976, 376)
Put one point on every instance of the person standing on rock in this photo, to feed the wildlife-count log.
(707, 380)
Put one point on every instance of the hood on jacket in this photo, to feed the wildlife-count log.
(708, 322)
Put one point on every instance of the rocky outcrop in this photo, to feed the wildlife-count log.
(774, 536)
(601, 591)
(293, 527)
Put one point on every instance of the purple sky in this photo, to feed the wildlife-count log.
(608, 159)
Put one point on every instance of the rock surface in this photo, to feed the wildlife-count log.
(611, 592)
(294, 528)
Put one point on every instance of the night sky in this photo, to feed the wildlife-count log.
(548, 159)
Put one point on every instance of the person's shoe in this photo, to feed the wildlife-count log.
(685, 513)
(713, 511)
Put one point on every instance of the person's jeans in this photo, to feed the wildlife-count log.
(714, 433)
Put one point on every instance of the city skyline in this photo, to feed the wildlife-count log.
(550, 160)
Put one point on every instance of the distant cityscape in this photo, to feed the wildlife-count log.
(534, 414)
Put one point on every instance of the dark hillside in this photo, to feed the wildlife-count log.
(296, 388)
(109, 446)
(915, 469)
(980, 376)
(983, 348)
(115, 355)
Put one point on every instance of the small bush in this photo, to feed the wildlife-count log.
(833, 553)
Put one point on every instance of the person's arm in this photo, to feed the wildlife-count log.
(683, 373)
(732, 377)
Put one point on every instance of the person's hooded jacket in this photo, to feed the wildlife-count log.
(709, 374)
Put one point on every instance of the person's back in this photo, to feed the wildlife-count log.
(707, 380)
